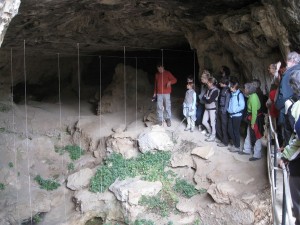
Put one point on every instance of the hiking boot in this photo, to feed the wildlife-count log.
(218, 141)
(168, 121)
(211, 138)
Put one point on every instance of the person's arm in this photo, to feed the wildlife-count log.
(254, 109)
(194, 102)
(227, 98)
(212, 97)
(172, 79)
(155, 86)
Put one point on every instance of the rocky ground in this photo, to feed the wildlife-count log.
(237, 190)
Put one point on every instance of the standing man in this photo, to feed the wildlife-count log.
(162, 90)
(285, 91)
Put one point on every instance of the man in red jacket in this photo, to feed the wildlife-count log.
(162, 90)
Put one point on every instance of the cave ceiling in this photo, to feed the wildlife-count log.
(108, 25)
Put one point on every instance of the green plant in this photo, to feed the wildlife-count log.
(161, 204)
(2, 129)
(149, 166)
(2, 186)
(75, 152)
(197, 222)
(48, 185)
(36, 218)
(11, 165)
(143, 222)
(71, 166)
(170, 223)
(184, 188)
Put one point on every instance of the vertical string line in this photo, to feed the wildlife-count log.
(125, 103)
(162, 81)
(13, 131)
(136, 90)
(100, 114)
(78, 73)
(26, 132)
(60, 126)
(194, 66)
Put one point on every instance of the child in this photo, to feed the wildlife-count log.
(189, 105)
(210, 99)
(235, 110)
(222, 116)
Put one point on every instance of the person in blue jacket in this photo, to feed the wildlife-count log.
(235, 110)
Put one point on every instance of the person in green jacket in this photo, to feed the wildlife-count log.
(254, 116)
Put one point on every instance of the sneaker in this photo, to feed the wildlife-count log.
(211, 138)
(234, 149)
(230, 147)
(203, 132)
(186, 129)
(192, 130)
(168, 121)
(221, 145)
(218, 141)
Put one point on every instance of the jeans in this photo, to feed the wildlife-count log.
(248, 147)
(163, 105)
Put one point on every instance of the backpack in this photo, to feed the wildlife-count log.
(289, 119)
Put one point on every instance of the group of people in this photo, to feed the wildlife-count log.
(222, 105)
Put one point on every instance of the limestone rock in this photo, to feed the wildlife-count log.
(204, 152)
(80, 179)
(155, 139)
(122, 143)
(131, 190)
(222, 192)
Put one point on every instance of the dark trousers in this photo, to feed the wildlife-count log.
(199, 114)
(295, 194)
(234, 124)
(222, 127)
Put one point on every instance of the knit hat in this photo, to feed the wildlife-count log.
(297, 127)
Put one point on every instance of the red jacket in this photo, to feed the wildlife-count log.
(273, 111)
(161, 80)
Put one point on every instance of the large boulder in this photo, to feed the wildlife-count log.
(155, 139)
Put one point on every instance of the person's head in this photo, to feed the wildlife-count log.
(250, 88)
(190, 79)
(160, 67)
(225, 71)
(272, 69)
(234, 84)
(204, 76)
(190, 85)
(257, 84)
(211, 82)
(295, 82)
(293, 58)
(224, 82)
(274, 86)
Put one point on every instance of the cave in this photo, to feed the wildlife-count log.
(82, 74)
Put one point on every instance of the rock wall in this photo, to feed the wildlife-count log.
(8, 9)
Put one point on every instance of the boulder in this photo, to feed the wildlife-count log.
(155, 139)
(80, 180)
